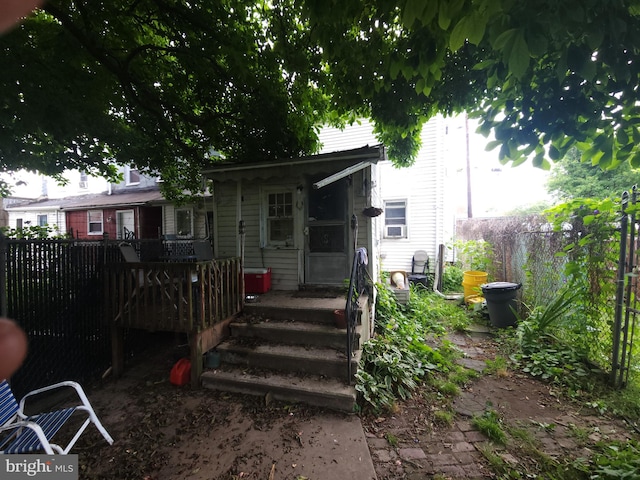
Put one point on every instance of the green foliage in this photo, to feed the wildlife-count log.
(33, 232)
(433, 313)
(391, 439)
(541, 353)
(573, 178)
(537, 326)
(490, 424)
(157, 81)
(590, 257)
(497, 366)
(474, 255)
(452, 277)
(398, 358)
(617, 460)
(444, 417)
(448, 389)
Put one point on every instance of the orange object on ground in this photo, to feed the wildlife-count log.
(181, 372)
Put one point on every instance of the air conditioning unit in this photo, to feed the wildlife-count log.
(395, 231)
(84, 184)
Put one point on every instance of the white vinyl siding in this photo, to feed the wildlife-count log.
(169, 226)
(424, 185)
(55, 219)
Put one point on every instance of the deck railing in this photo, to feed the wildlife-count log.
(173, 297)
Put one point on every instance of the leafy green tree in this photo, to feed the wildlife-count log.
(162, 83)
(572, 178)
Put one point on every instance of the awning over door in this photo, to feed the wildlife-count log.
(341, 174)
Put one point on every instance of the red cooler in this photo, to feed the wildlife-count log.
(257, 280)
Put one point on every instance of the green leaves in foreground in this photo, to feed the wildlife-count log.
(396, 361)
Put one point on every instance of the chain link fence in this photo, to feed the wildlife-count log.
(529, 251)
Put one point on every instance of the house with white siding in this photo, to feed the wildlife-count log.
(417, 201)
(302, 218)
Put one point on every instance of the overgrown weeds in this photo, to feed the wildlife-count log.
(405, 348)
(490, 424)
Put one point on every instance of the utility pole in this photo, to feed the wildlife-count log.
(466, 133)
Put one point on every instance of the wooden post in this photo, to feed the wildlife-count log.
(195, 346)
(117, 349)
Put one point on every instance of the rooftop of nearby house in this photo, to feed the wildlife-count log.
(96, 200)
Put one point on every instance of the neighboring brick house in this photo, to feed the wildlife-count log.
(131, 209)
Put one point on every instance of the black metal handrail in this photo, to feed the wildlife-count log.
(357, 286)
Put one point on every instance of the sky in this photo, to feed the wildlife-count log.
(495, 189)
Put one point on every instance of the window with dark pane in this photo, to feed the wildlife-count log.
(280, 218)
(395, 213)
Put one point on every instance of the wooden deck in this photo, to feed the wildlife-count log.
(197, 298)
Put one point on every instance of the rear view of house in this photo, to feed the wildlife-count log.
(301, 218)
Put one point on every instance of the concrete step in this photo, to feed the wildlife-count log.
(327, 362)
(317, 391)
(294, 333)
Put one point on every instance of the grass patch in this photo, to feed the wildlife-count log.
(499, 367)
(448, 389)
(444, 417)
(490, 425)
(391, 439)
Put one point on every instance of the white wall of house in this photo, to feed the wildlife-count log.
(197, 214)
(34, 216)
(426, 190)
(243, 200)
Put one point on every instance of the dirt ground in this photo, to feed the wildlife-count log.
(168, 432)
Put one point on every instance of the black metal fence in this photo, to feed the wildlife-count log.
(52, 290)
(530, 251)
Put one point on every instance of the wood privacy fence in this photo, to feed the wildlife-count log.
(63, 294)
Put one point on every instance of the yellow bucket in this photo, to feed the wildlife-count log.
(471, 282)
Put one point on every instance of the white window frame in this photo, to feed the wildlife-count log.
(268, 216)
(40, 217)
(128, 171)
(392, 224)
(84, 180)
(177, 213)
(95, 221)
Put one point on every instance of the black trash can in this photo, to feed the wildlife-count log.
(501, 302)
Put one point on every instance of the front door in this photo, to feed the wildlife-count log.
(125, 223)
(326, 240)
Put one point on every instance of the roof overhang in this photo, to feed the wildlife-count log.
(92, 201)
(119, 200)
(345, 161)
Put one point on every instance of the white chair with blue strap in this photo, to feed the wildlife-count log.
(20, 433)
